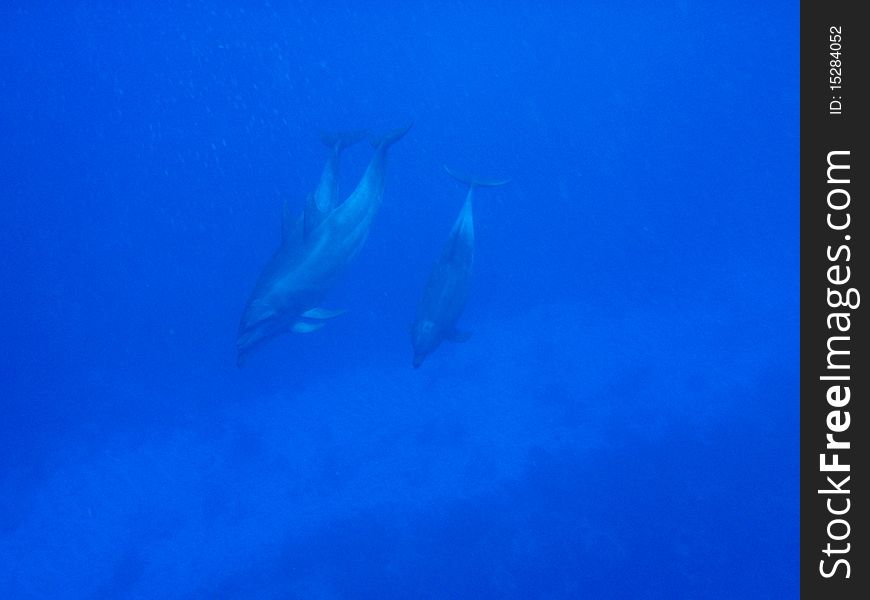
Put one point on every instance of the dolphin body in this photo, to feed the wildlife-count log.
(314, 250)
(447, 288)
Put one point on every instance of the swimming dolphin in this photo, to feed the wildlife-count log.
(447, 289)
(325, 196)
(307, 263)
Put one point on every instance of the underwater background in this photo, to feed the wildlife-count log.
(623, 423)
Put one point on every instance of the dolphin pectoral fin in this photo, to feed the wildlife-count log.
(303, 327)
(457, 336)
(322, 313)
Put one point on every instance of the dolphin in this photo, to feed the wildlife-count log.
(308, 261)
(447, 288)
(325, 197)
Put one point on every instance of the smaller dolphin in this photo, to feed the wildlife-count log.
(447, 289)
(325, 196)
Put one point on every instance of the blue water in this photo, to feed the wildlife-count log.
(623, 423)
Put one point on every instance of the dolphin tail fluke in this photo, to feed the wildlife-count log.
(475, 181)
(339, 140)
(390, 138)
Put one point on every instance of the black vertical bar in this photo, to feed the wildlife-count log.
(834, 367)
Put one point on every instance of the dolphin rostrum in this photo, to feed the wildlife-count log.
(447, 289)
(308, 261)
